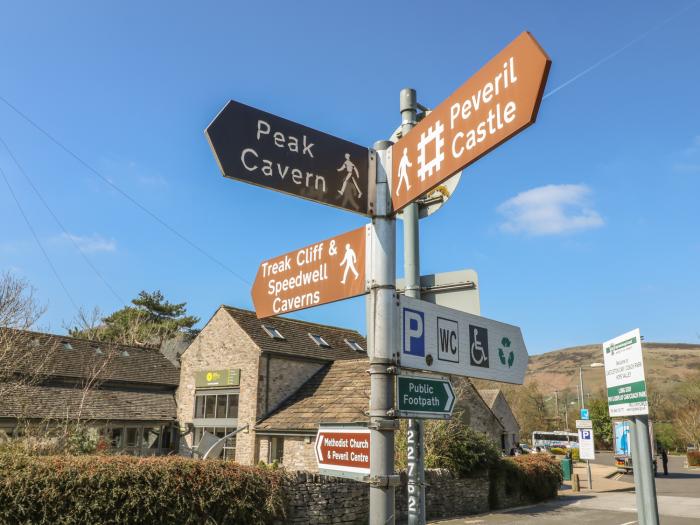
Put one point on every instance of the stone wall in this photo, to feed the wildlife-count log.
(320, 500)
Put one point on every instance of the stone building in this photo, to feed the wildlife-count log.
(240, 369)
(124, 394)
(496, 401)
(276, 379)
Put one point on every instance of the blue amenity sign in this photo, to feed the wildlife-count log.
(584, 413)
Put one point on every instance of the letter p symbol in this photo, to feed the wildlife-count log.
(413, 333)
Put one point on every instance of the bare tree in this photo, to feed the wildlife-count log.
(23, 359)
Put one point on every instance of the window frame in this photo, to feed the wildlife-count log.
(319, 340)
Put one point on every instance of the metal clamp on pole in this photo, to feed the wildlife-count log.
(393, 480)
(383, 424)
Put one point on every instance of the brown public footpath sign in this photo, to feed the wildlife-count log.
(324, 272)
(495, 104)
(257, 147)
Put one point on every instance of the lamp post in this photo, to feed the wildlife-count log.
(580, 380)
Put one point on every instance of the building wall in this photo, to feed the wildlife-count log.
(286, 377)
(299, 453)
(475, 413)
(511, 428)
(223, 344)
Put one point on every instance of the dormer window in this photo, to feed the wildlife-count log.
(320, 341)
(273, 332)
(67, 345)
(354, 345)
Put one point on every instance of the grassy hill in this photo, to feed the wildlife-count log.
(665, 364)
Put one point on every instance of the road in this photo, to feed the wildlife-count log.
(679, 482)
(678, 496)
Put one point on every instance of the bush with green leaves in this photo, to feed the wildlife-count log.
(452, 445)
(575, 454)
(128, 490)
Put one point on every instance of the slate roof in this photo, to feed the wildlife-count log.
(296, 337)
(489, 396)
(63, 402)
(124, 363)
(338, 393)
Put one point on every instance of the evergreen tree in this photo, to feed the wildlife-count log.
(151, 320)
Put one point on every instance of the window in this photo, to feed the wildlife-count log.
(132, 437)
(354, 345)
(272, 332)
(320, 341)
(232, 412)
(276, 449)
(67, 345)
(150, 437)
(229, 451)
(221, 407)
(216, 404)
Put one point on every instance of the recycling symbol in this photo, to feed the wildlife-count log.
(505, 343)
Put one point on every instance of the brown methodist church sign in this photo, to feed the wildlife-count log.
(499, 101)
(260, 148)
(324, 272)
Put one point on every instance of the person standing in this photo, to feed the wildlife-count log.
(664, 460)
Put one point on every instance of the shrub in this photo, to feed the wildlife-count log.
(129, 490)
(558, 451)
(534, 477)
(452, 445)
(694, 458)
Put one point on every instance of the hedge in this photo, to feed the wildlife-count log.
(535, 477)
(694, 458)
(128, 490)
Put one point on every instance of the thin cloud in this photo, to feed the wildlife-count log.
(89, 244)
(550, 210)
(688, 161)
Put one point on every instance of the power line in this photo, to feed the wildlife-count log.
(124, 193)
(36, 238)
(60, 224)
(620, 50)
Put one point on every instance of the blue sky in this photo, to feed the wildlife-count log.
(581, 228)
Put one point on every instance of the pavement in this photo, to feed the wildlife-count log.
(611, 502)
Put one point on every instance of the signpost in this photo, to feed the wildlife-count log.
(322, 273)
(586, 445)
(440, 339)
(343, 451)
(495, 104)
(624, 375)
(584, 413)
(424, 397)
(257, 147)
(627, 396)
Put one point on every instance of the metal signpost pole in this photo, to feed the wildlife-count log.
(588, 462)
(637, 472)
(646, 470)
(411, 258)
(381, 346)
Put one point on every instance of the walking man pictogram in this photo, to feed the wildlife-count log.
(352, 175)
(349, 260)
(404, 164)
